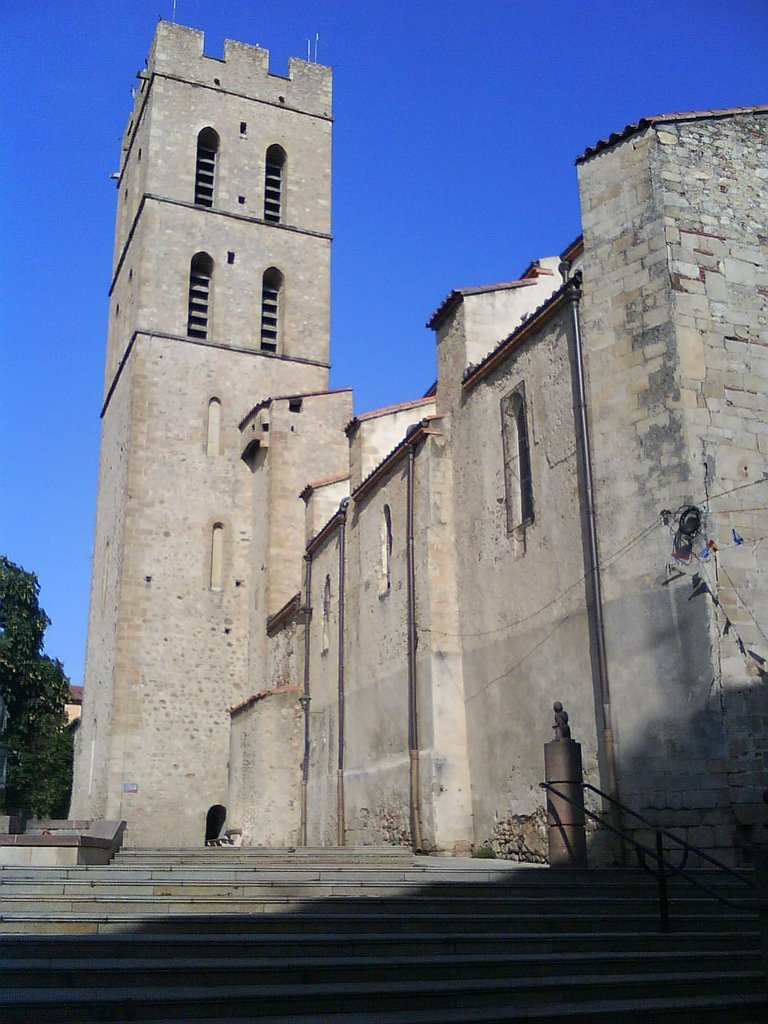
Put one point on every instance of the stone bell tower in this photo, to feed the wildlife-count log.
(219, 298)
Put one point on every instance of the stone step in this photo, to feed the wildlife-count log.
(265, 1002)
(582, 914)
(55, 972)
(157, 917)
(707, 1010)
(298, 946)
(315, 855)
(540, 882)
(257, 893)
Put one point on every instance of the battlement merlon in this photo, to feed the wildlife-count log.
(244, 69)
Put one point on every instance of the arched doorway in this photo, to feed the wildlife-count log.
(214, 823)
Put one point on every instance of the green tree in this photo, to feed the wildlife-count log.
(35, 690)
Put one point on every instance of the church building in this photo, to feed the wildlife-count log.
(350, 629)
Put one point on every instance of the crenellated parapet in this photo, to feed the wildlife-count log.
(177, 51)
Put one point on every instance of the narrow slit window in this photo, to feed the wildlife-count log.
(214, 428)
(386, 549)
(274, 184)
(518, 481)
(327, 614)
(198, 307)
(271, 309)
(217, 553)
(205, 166)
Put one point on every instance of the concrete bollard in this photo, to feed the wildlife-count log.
(565, 819)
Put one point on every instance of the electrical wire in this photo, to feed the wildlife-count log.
(742, 602)
(605, 563)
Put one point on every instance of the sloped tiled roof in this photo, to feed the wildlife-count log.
(645, 122)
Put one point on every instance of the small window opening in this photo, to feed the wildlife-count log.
(274, 184)
(139, 157)
(217, 551)
(327, 614)
(105, 576)
(205, 168)
(200, 273)
(294, 405)
(271, 309)
(386, 549)
(130, 275)
(265, 427)
(518, 482)
(243, 127)
(230, 257)
(213, 442)
(217, 81)
(241, 200)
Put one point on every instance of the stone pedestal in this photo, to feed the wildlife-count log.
(565, 820)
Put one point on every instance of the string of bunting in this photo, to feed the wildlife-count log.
(687, 526)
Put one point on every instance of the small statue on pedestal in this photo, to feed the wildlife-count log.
(560, 724)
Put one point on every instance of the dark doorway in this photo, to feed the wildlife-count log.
(214, 823)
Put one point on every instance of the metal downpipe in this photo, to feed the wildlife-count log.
(340, 823)
(573, 294)
(305, 698)
(413, 719)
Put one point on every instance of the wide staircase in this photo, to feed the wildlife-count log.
(374, 936)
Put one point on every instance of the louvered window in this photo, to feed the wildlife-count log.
(200, 273)
(271, 301)
(205, 168)
(274, 184)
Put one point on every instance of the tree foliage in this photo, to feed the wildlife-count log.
(35, 690)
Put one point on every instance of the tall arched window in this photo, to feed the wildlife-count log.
(274, 184)
(205, 167)
(213, 443)
(386, 549)
(271, 309)
(327, 614)
(200, 274)
(217, 555)
(518, 484)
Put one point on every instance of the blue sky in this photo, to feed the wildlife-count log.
(457, 125)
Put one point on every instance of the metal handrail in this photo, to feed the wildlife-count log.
(670, 835)
(665, 869)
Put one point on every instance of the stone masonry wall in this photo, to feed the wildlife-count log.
(658, 319)
(524, 632)
(713, 175)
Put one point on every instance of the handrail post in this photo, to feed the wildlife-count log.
(662, 880)
(761, 882)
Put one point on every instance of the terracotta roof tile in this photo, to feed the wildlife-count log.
(266, 402)
(645, 122)
(386, 409)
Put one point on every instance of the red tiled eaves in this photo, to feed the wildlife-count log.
(475, 373)
(458, 294)
(315, 485)
(276, 621)
(572, 251)
(333, 523)
(249, 703)
(266, 402)
(416, 433)
(645, 122)
(384, 411)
